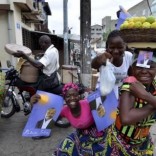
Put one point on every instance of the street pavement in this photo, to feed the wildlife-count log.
(13, 144)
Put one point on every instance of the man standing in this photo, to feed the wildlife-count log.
(48, 64)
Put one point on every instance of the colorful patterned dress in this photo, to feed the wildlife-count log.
(116, 140)
(131, 140)
(86, 140)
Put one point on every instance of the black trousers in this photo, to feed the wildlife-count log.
(55, 90)
(38, 86)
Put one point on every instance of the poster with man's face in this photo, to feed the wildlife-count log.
(44, 113)
(144, 59)
(103, 108)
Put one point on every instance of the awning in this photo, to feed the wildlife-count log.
(25, 5)
(32, 17)
(4, 7)
(47, 8)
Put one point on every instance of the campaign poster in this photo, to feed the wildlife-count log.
(44, 113)
(103, 109)
(144, 59)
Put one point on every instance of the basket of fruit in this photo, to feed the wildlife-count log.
(139, 29)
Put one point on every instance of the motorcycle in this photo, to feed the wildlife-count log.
(14, 90)
(11, 103)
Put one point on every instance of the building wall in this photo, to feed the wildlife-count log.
(106, 23)
(17, 25)
(153, 7)
(4, 38)
(12, 34)
(141, 9)
(4, 1)
(113, 24)
(96, 31)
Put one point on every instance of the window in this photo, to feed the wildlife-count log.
(144, 12)
(153, 8)
(26, 35)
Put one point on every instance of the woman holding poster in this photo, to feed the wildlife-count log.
(86, 140)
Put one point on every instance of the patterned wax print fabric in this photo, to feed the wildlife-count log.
(131, 140)
(87, 142)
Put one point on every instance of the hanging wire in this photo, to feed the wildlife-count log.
(149, 7)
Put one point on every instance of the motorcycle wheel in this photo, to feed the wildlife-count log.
(8, 108)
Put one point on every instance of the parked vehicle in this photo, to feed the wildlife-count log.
(14, 91)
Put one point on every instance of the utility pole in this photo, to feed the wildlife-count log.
(149, 7)
(85, 32)
(65, 32)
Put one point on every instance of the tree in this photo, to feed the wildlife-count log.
(105, 35)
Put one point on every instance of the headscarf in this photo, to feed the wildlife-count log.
(69, 86)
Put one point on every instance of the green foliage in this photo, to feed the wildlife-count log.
(105, 35)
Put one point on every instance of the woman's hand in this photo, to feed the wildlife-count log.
(103, 58)
(138, 90)
(100, 60)
(34, 99)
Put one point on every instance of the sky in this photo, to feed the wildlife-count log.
(99, 9)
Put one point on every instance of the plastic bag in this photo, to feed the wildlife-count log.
(107, 79)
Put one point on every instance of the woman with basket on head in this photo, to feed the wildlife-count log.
(129, 135)
(118, 56)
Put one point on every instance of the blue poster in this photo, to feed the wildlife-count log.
(103, 109)
(43, 115)
(122, 17)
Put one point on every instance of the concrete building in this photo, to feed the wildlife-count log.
(153, 7)
(97, 45)
(17, 19)
(108, 24)
(141, 9)
(96, 31)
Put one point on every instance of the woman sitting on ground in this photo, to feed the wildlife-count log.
(86, 140)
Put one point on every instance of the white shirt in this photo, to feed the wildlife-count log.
(146, 61)
(50, 60)
(98, 102)
(120, 72)
(45, 123)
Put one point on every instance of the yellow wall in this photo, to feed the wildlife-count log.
(14, 35)
(4, 38)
